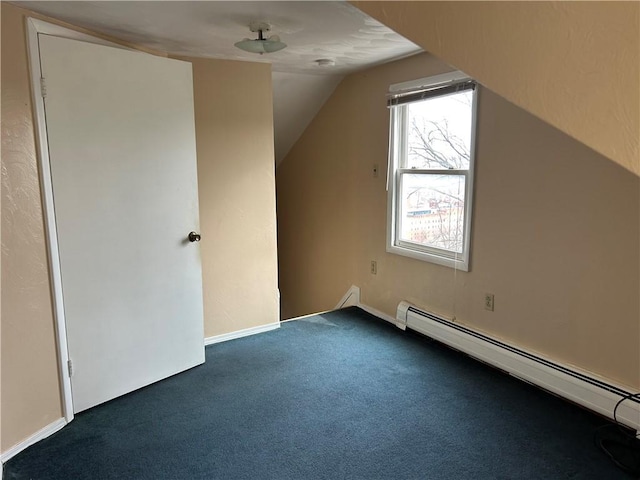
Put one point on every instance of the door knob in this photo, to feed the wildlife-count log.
(194, 237)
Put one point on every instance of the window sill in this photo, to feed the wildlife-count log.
(459, 264)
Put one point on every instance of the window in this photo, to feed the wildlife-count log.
(430, 181)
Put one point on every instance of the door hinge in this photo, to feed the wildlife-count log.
(70, 368)
(43, 87)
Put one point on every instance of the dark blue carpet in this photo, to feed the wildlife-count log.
(341, 395)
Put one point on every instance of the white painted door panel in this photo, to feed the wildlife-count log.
(121, 136)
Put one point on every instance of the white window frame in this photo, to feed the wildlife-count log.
(397, 151)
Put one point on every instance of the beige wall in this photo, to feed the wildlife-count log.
(29, 394)
(555, 236)
(234, 130)
(576, 65)
(236, 182)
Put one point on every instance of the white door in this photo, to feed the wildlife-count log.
(121, 136)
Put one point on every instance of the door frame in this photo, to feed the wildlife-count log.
(34, 28)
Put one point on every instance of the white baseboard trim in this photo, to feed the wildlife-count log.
(41, 434)
(593, 392)
(241, 333)
(302, 317)
(584, 388)
(350, 299)
(382, 315)
(61, 422)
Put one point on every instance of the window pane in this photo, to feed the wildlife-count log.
(439, 132)
(432, 210)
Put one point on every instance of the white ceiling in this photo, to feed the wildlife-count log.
(312, 30)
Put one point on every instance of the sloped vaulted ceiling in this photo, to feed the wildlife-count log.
(575, 65)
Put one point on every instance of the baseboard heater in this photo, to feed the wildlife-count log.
(579, 387)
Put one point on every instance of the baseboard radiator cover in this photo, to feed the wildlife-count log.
(582, 388)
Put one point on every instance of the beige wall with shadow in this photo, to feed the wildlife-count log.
(555, 230)
(575, 65)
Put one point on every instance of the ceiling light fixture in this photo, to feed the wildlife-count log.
(260, 45)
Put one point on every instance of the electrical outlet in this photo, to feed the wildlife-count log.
(488, 301)
(374, 267)
(375, 170)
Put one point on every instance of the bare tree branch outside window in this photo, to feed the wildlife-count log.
(434, 204)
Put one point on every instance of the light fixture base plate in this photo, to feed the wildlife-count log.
(256, 26)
